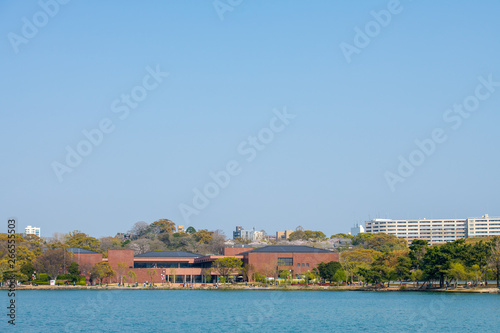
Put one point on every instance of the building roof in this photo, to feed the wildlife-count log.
(166, 254)
(288, 249)
(77, 250)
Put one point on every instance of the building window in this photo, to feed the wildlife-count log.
(298, 265)
(303, 265)
(285, 261)
(307, 265)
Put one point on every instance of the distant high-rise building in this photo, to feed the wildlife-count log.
(357, 229)
(251, 235)
(283, 234)
(180, 228)
(29, 230)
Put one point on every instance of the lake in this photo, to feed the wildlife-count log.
(248, 311)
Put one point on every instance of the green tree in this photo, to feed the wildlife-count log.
(285, 275)
(101, 270)
(494, 259)
(457, 272)
(385, 243)
(342, 235)
(131, 276)
(361, 238)
(403, 268)
(74, 271)
(339, 276)
(327, 271)
(227, 265)
(353, 260)
(82, 240)
(416, 275)
(418, 248)
(190, 230)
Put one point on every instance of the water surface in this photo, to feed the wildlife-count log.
(246, 311)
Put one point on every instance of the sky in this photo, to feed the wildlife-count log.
(273, 115)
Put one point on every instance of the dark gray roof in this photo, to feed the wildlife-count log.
(77, 250)
(168, 254)
(288, 249)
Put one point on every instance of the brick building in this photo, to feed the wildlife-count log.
(270, 260)
(187, 267)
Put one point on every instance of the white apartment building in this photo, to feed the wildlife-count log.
(483, 226)
(436, 231)
(29, 230)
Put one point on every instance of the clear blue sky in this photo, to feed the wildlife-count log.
(325, 171)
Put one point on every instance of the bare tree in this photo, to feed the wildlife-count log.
(139, 246)
(139, 229)
(53, 262)
(120, 271)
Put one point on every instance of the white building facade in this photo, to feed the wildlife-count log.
(29, 230)
(438, 230)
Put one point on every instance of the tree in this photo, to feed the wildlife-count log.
(285, 275)
(139, 246)
(120, 271)
(307, 235)
(418, 248)
(53, 262)
(162, 226)
(327, 271)
(339, 276)
(190, 230)
(139, 229)
(207, 274)
(478, 255)
(361, 238)
(457, 272)
(110, 243)
(494, 259)
(437, 260)
(101, 271)
(79, 239)
(309, 276)
(28, 270)
(131, 276)
(416, 275)
(227, 265)
(385, 243)
(403, 268)
(203, 236)
(353, 260)
(172, 273)
(247, 271)
(74, 271)
(342, 235)
(151, 273)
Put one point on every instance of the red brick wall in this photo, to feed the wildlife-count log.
(117, 256)
(233, 251)
(89, 259)
(265, 263)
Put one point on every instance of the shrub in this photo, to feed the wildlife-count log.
(43, 277)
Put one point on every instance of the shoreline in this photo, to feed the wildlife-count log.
(477, 290)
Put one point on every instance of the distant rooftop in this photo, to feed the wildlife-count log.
(77, 250)
(166, 254)
(288, 249)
